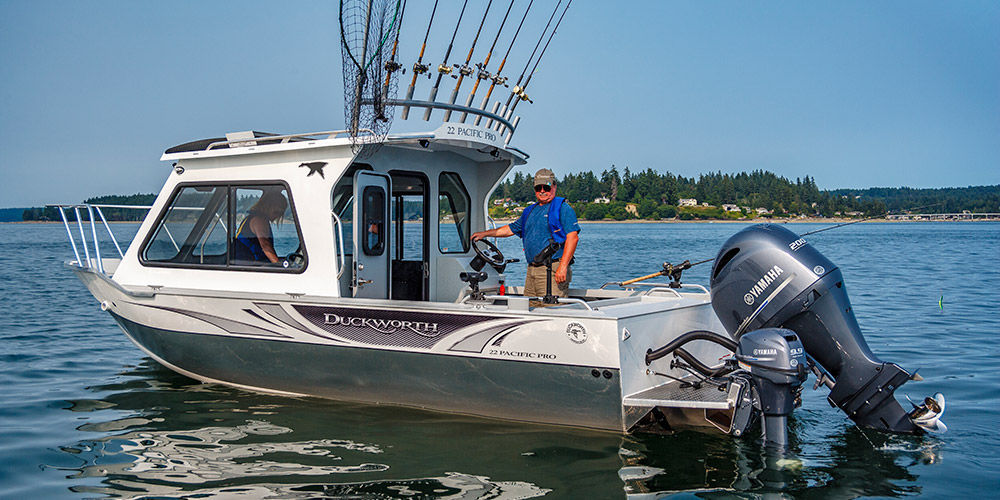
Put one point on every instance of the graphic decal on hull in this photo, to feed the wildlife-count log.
(477, 341)
(386, 327)
(226, 324)
(278, 313)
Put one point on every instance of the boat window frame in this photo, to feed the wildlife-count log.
(466, 241)
(426, 229)
(230, 219)
(374, 193)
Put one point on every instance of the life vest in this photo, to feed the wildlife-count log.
(555, 223)
(247, 246)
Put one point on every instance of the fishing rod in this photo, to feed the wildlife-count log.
(482, 74)
(391, 65)
(675, 271)
(532, 56)
(465, 70)
(443, 68)
(496, 78)
(418, 67)
(519, 91)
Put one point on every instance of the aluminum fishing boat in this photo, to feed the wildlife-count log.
(379, 296)
(339, 264)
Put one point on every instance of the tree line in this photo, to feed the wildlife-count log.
(655, 195)
(111, 214)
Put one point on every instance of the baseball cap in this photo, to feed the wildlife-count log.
(545, 177)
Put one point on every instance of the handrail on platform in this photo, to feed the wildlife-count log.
(98, 260)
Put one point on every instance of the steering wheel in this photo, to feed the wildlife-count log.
(490, 254)
(295, 259)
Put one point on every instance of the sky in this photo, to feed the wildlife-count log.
(852, 93)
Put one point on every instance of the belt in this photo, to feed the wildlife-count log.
(532, 264)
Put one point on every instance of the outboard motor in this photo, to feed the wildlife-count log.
(766, 276)
(775, 360)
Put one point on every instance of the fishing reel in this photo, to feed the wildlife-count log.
(419, 69)
(464, 70)
(519, 92)
(443, 69)
(481, 73)
(393, 66)
(674, 272)
(499, 80)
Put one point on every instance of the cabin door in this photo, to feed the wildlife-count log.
(371, 235)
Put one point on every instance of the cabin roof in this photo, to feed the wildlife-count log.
(477, 143)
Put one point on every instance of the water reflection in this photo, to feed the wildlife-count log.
(161, 434)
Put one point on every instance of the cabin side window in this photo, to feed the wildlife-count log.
(266, 230)
(373, 216)
(193, 228)
(453, 214)
(239, 227)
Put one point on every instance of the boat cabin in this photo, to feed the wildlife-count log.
(378, 221)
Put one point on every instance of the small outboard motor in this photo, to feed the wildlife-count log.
(765, 277)
(775, 360)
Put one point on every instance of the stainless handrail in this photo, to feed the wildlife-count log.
(98, 260)
(97, 245)
(283, 139)
(451, 107)
(663, 289)
(561, 300)
(113, 239)
(340, 243)
(83, 237)
(69, 233)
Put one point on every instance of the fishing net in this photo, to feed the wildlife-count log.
(369, 32)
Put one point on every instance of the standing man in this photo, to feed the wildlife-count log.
(549, 219)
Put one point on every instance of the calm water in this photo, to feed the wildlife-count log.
(84, 413)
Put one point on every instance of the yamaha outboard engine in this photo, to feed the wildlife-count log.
(777, 366)
(766, 276)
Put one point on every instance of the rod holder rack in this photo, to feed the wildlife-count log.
(494, 120)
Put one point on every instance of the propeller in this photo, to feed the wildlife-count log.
(927, 416)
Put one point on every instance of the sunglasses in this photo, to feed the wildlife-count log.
(543, 187)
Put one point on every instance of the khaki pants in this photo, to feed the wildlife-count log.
(534, 284)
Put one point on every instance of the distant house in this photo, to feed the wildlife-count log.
(632, 209)
(705, 204)
(762, 211)
(602, 199)
(687, 202)
(729, 207)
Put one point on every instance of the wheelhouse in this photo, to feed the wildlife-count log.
(377, 221)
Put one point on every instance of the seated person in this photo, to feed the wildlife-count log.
(253, 241)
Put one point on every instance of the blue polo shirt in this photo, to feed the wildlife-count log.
(535, 230)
